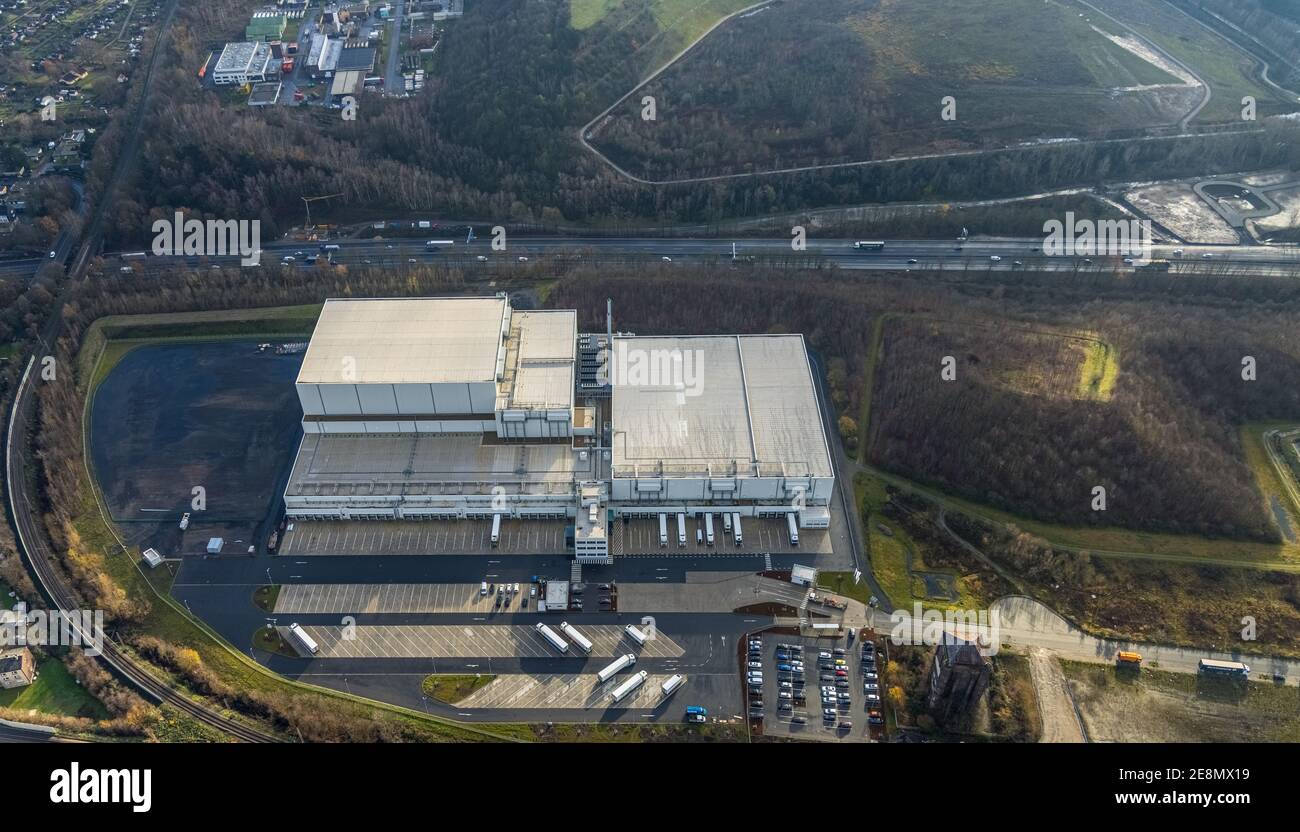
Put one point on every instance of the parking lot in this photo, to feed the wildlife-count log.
(584, 691)
(421, 641)
(432, 537)
(381, 598)
(641, 537)
(793, 702)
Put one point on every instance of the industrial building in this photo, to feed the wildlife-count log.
(243, 63)
(463, 407)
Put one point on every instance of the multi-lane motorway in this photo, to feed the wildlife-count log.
(897, 255)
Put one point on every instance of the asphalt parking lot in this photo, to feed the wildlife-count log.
(583, 691)
(641, 537)
(777, 722)
(382, 598)
(433, 537)
(420, 641)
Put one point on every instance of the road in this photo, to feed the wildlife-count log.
(1023, 254)
(393, 84)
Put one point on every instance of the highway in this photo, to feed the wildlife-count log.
(897, 255)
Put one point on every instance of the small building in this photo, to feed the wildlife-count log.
(266, 26)
(151, 558)
(242, 63)
(17, 668)
(803, 575)
(557, 596)
(356, 59)
(214, 545)
(959, 676)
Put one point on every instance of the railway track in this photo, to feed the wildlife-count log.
(32, 543)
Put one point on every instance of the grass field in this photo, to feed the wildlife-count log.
(1226, 69)
(889, 555)
(1156, 706)
(54, 692)
(825, 81)
(453, 688)
(1099, 371)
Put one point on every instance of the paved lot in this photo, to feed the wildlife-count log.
(434, 537)
(581, 691)
(641, 537)
(382, 598)
(708, 592)
(393, 641)
(780, 723)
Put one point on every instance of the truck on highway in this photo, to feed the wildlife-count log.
(302, 641)
(869, 245)
(549, 634)
(794, 529)
(672, 684)
(615, 666)
(663, 529)
(708, 529)
(681, 529)
(635, 634)
(436, 245)
(630, 684)
(329, 247)
(1214, 667)
(578, 638)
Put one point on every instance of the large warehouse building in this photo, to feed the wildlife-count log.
(454, 408)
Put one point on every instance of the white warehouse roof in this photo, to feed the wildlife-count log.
(405, 341)
(728, 405)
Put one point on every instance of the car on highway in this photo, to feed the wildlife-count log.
(523, 259)
(911, 261)
(666, 259)
(1178, 252)
(995, 258)
(1206, 256)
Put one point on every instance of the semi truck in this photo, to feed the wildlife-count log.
(1127, 658)
(496, 530)
(708, 529)
(435, 245)
(549, 634)
(674, 682)
(735, 524)
(663, 529)
(303, 641)
(635, 634)
(794, 529)
(681, 529)
(615, 666)
(578, 638)
(630, 684)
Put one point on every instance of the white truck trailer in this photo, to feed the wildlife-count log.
(302, 641)
(635, 634)
(496, 530)
(632, 683)
(672, 684)
(663, 529)
(615, 666)
(794, 529)
(681, 529)
(735, 524)
(578, 638)
(708, 529)
(550, 635)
